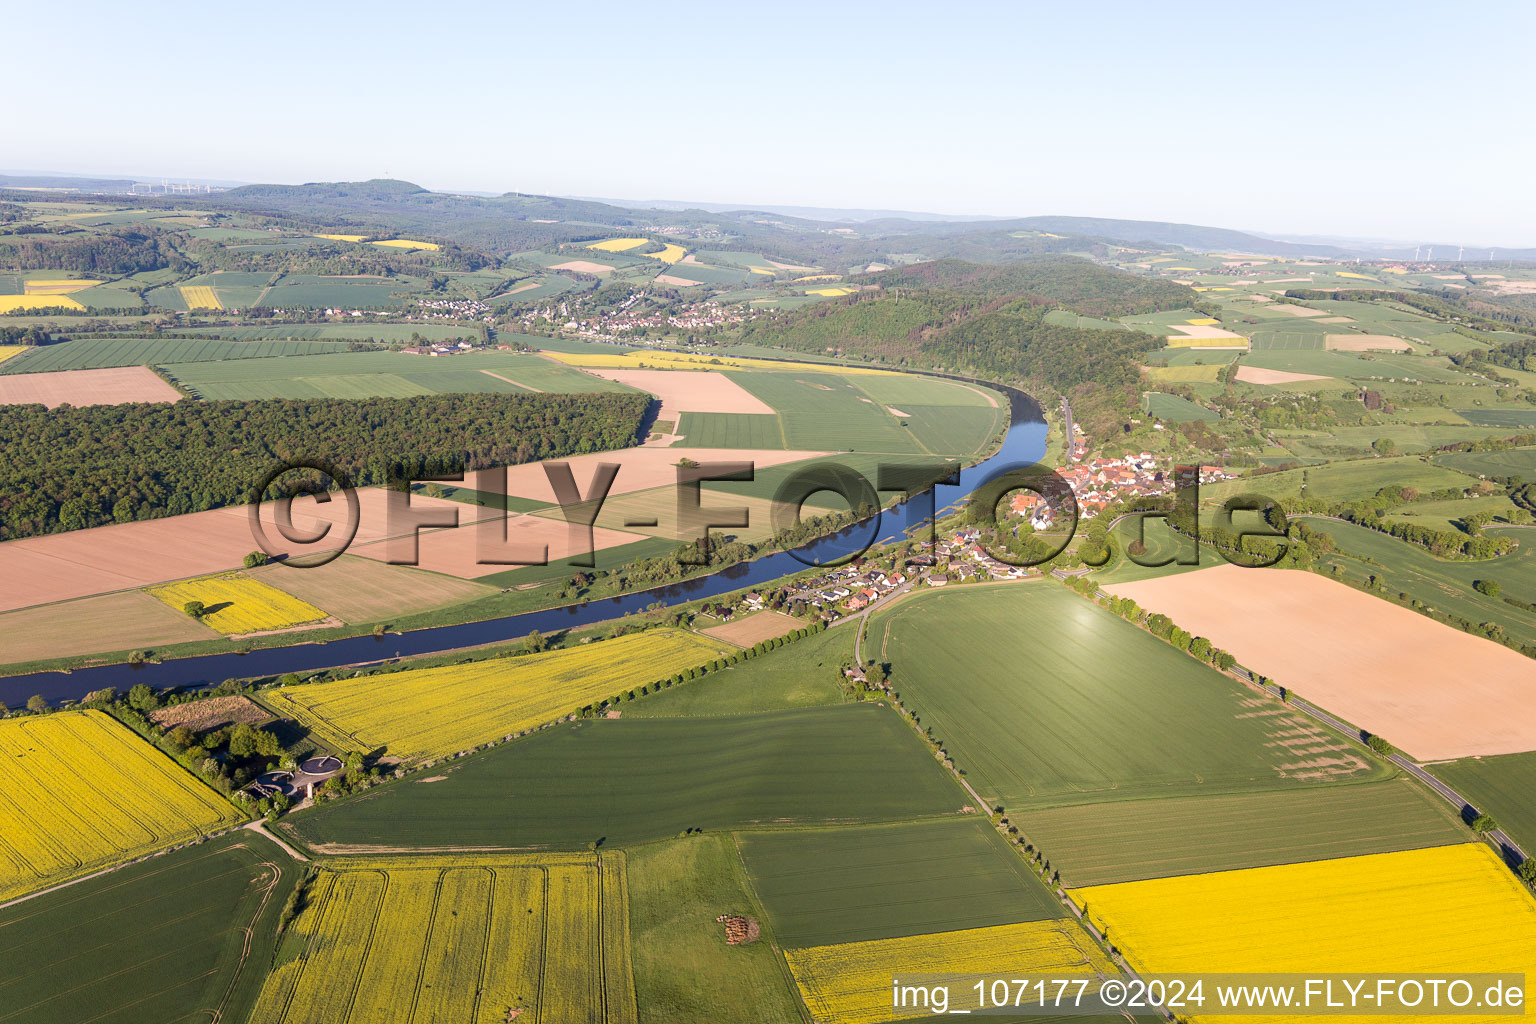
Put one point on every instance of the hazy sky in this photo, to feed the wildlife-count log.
(1402, 120)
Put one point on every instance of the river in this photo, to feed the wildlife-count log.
(1023, 445)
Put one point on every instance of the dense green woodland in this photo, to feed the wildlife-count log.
(67, 469)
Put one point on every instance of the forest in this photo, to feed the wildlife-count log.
(68, 468)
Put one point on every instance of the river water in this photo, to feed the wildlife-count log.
(1023, 445)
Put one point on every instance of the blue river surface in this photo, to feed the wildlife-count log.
(1023, 445)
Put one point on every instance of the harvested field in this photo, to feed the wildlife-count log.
(1203, 330)
(112, 386)
(850, 983)
(1432, 690)
(683, 391)
(1291, 309)
(584, 267)
(457, 552)
(477, 938)
(430, 712)
(676, 281)
(93, 625)
(79, 791)
(1139, 839)
(1259, 375)
(640, 468)
(237, 604)
(211, 713)
(366, 590)
(1456, 907)
(751, 629)
(1367, 343)
(125, 556)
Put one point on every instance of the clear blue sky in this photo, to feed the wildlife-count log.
(1401, 120)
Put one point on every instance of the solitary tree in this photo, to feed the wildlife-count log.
(37, 703)
(194, 609)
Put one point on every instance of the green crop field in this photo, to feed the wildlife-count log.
(951, 430)
(544, 286)
(307, 290)
(707, 274)
(1174, 409)
(1503, 786)
(345, 332)
(827, 412)
(163, 940)
(1519, 462)
(388, 374)
(1516, 419)
(95, 353)
(730, 430)
(235, 289)
(109, 296)
(1287, 339)
(1442, 585)
(1137, 839)
(822, 886)
(1044, 699)
(1190, 357)
(684, 971)
(627, 781)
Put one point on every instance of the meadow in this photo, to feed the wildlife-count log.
(826, 886)
(180, 937)
(420, 713)
(473, 938)
(1083, 707)
(804, 674)
(1440, 584)
(378, 332)
(1345, 480)
(684, 971)
(1514, 419)
(620, 782)
(850, 983)
(1519, 462)
(1503, 786)
(236, 604)
(1174, 409)
(78, 792)
(1456, 907)
(1139, 839)
(100, 353)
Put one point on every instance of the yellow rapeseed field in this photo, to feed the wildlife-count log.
(646, 359)
(57, 287)
(671, 254)
(850, 983)
(1447, 909)
(1358, 277)
(79, 791)
(407, 243)
(830, 292)
(200, 296)
(818, 277)
(1187, 341)
(463, 938)
(1204, 321)
(429, 712)
(343, 238)
(12, 351)
(239, 604)
(618, 244)
(12, 303)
